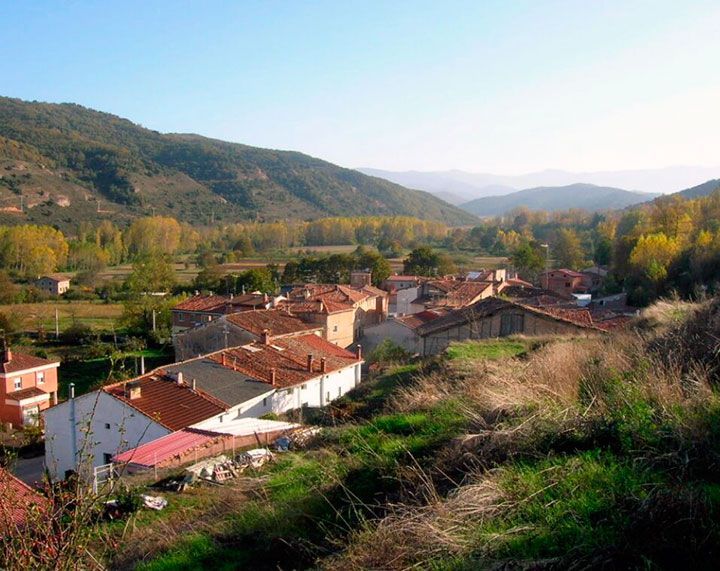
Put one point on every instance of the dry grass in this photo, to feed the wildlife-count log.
(565, 397)
(33, 316)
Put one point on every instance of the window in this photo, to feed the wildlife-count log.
(335, 328)
(107, 458)
(17, 384)
(265, 401)
(303, 387)
(568, 284)
(327, 397)
(339, 391)
(40, 378)
(107, 426)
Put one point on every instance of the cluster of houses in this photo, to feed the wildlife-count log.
(241, 358)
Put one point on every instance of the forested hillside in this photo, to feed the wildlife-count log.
(65, 163)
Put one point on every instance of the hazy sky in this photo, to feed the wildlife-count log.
(499, 86)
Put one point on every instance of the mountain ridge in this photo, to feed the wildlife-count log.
(64, 162)
(580, 195)
(477, 185)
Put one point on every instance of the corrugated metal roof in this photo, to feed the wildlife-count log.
(166, 447)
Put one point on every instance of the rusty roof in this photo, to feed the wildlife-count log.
(22, 362)
(170, 404)
(275, 321)
(18, 501)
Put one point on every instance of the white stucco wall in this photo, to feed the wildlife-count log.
(88, 435)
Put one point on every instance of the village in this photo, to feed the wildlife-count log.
(251, 369)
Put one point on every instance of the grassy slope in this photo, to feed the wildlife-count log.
(587, 452)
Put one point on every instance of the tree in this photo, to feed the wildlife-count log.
(151, 274)
(424, 261)
(256, 279)
(567, 249)
(153, 235)
(529, 260)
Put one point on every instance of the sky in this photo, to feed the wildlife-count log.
(485, 86)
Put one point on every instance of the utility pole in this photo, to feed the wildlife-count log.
(547, 264)
(57, 324)
(154, 321)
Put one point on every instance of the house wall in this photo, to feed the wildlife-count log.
(190, 343)
(182, 320)
(11, 411)
(490, 327)
(396, 332)
(401, 301)
(340, 328)
(76, 430)
(53, 287)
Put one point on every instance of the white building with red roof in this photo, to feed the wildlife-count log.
(207, 392)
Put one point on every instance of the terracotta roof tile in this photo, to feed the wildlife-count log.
(415, 320)
(168, 403)
(277, 322)
(17, 499)
(287, 357)
(23, 362)
(222, 304)
(27, 393)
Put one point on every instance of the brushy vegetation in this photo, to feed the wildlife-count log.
(551, 454)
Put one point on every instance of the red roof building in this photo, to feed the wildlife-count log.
(20, 505)
(28, 385)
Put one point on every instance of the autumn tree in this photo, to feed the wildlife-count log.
(567, 250)
(529, 259)
(153, 235)
(424, 261)
(151, 274)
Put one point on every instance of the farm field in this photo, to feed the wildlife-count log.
(41, 316)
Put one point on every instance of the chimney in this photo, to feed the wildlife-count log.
(322, 306)
(142, 364)
(224, 360)
(273, 376)
(234, 363)
(310, 362)
(133, 390)
(323, 365)
(179, 378)
(265, 298)
(358, 352)
(265, 337)
(7, 353)
(194, 385)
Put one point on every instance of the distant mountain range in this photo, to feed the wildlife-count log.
(459, 186)
(585, 196)
(63, 164)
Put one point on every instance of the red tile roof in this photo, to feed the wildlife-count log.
(287, 357)
(172, 405)
(571, 273)
(166, 447)
(17, 501)
(276, 322)
(221, 304)
(400, 278)
(417, 319)
(22, 362)
(27, 393)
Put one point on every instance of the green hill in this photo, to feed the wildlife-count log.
(703, 189)
(70, 163)
(585, 196)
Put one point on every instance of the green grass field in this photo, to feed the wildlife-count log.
(35, 316)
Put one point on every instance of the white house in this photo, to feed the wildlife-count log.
(240, 382)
